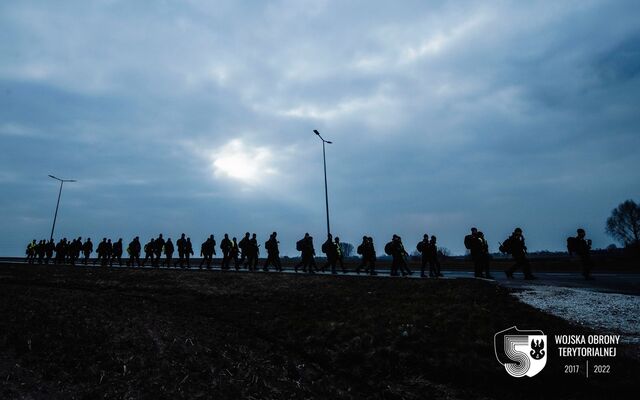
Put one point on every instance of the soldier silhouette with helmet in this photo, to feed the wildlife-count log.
(134, 252)
(307, 254)
(168, 252)
(273, 253)
(515, 246)
(582, 247)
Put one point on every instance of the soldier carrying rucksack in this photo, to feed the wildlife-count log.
(207, 250)
(368, 253)
(234, 252)
(253, 251)
(87, 249)
(168, 252)
(423, 248)
(243, 245)
(117, 252)
(149, 251)
(134, 252)
(188, 251)
(396, 249)
(330, 250)
(582, 247)
(273, 253)
(307, 253)
(225, 246)
(473, 243)
(31, 251)
(515, 246)
(50, 247)
(158, 245)
(102, 252)
(182, 250)
(433, 258)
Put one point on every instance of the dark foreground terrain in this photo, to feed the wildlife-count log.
(89, 333)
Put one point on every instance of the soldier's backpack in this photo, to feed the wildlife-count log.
(325, 247)
(505, 247)
(359, 249)
(420, 247)
(468, 242)
(572, 244)
(300, 244)
(388, 248)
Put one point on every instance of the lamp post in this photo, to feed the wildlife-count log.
(324, 160)
(55, 216)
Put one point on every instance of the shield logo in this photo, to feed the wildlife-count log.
(522, 353)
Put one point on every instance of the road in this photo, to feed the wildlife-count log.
(612, 282)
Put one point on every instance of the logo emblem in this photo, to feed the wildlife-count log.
(521, 352)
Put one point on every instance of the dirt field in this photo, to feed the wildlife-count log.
(78, 333)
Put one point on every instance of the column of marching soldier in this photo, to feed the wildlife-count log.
(245, 253)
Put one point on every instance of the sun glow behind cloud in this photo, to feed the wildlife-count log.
(240, 162)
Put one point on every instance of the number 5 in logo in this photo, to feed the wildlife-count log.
(521, 352)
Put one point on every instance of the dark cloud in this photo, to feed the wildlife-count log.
(198, 118)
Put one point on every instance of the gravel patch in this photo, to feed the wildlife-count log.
(610, 312)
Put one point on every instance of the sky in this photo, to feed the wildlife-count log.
(198, 117)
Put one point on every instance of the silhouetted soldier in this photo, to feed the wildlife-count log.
(134, 252)
(40, 251)
(149, 251)
(368, 252)
(253, 250)
(423, 249)
(361, 251)
(433, 258)
(78, 253)
(168, 252)
(109, 251)
(188, 251)
(244, 246)
(225, 246)
(101, 251)
(182, 250)
(87, 249)
(515, 246)
(158, 247)
(329, 249)
(60, 251)
(305, 246)
(474, 245)
(485, 256)
(398, 253)
(50, 248)
(273, 253)
(68, 250)
(31, 251)
(582, 247)
(117, 252)
(234, 253)
(77, 249)
(207, 250)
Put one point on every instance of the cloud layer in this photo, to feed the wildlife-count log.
(198, 117)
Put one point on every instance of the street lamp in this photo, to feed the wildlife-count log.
(62, 181)
(324, 160)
